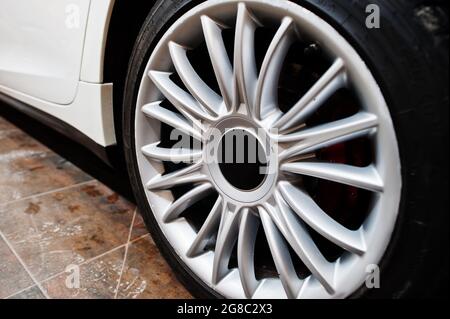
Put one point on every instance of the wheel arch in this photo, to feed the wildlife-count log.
(126, 21)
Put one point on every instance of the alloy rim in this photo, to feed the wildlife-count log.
(223, 247)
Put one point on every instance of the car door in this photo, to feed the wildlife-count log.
(41, 47)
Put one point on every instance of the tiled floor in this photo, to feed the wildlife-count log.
(57, 222)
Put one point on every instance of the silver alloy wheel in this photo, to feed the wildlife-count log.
(248, 101)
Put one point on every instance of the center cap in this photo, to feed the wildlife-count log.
(239, 160)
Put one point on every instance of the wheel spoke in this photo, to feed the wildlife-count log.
(207, 231)
(182, 100)
(324, 88)
(154, 110)
(244, 57)
(176, 155)
(196, 86)
(301, 242)
(246, 251)
(281, 256)
(316, 218)
(219, 58)
(325, 135)
(267, 87)
(226, 239)
(188, 175)
(361, 177)
(186, 201)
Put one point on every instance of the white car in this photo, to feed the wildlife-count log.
(276, 149)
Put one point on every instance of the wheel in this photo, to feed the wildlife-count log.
(281, 149)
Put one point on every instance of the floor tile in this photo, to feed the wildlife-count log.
(13, 277)
(147, 275)
(85, 226)
(97, 279)
(139, 228)
(67, 227)
(31, 293)
(28, 168)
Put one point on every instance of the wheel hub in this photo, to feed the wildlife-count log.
(240, 159)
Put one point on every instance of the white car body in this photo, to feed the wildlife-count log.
(52, 59)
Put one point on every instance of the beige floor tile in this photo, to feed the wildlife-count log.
(55, 216)
(67, 227)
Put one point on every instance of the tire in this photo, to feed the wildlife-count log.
(408, 57)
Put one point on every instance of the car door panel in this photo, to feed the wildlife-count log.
(41, 47)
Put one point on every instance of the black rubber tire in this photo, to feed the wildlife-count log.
(409, 57)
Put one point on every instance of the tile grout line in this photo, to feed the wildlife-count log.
(139, 238)
(126, 253)
(44, 292)
(47, 193)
